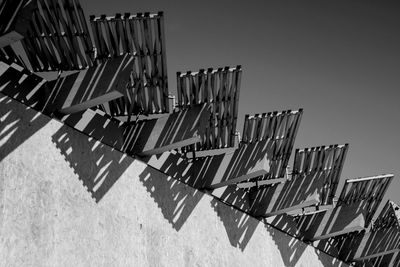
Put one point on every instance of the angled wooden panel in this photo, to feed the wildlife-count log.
(142, 36)
(381, 239)
(355, 208)
(315, 175)
(91, 87)
(57, 37)
(15, 15)
(368, 192)
(150, 137)
(279, 129)
(220, 88)
(272, 144)
(325, 163)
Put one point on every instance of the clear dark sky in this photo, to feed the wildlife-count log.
(339, 60)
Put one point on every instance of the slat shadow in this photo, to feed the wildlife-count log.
(176, 200)
(96, 165)
(239, 226)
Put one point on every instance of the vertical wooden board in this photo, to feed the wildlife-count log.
(179, 88)
(184, 91)
(39, 45)
(107, 35)
(135, 32)
(245, 138)
(52, 19)
(128, 43)
(163, 63)
(293, 134)
(56, 8)
(236, 100)
(85, 29)
(269, 133)
(203, 90)
(73, 31)
(148, 35)
(214, 108)
(29, 47)
(191, 88)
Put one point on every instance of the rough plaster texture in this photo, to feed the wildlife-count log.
(51, 177)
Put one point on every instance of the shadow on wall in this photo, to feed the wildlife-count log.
(239, 226)
(17, 124)
(291, 249)
(176, 200)
(94, 163)
(327, 260)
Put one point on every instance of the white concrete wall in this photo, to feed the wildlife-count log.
(142, 218)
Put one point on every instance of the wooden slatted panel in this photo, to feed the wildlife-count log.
(368, 192)
(382, 236)
(279, 128)
(57, 37)
(142, 36)
(219, 87)
(326, 162)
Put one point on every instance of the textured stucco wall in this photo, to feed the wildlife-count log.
(67, 200)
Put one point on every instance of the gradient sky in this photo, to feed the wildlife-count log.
(338, 60)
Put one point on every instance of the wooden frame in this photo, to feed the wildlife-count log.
(57, 37)
(142, 36)
(220, 88)
(382, 238)
(314, 180)
(356, 206)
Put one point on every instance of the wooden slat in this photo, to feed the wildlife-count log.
(367, 191)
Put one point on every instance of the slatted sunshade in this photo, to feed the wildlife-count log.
(219, 87)
(277, 128)
(381, 239)
(142, 36)
(58, 37)
(368, 192)
(323, 162)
